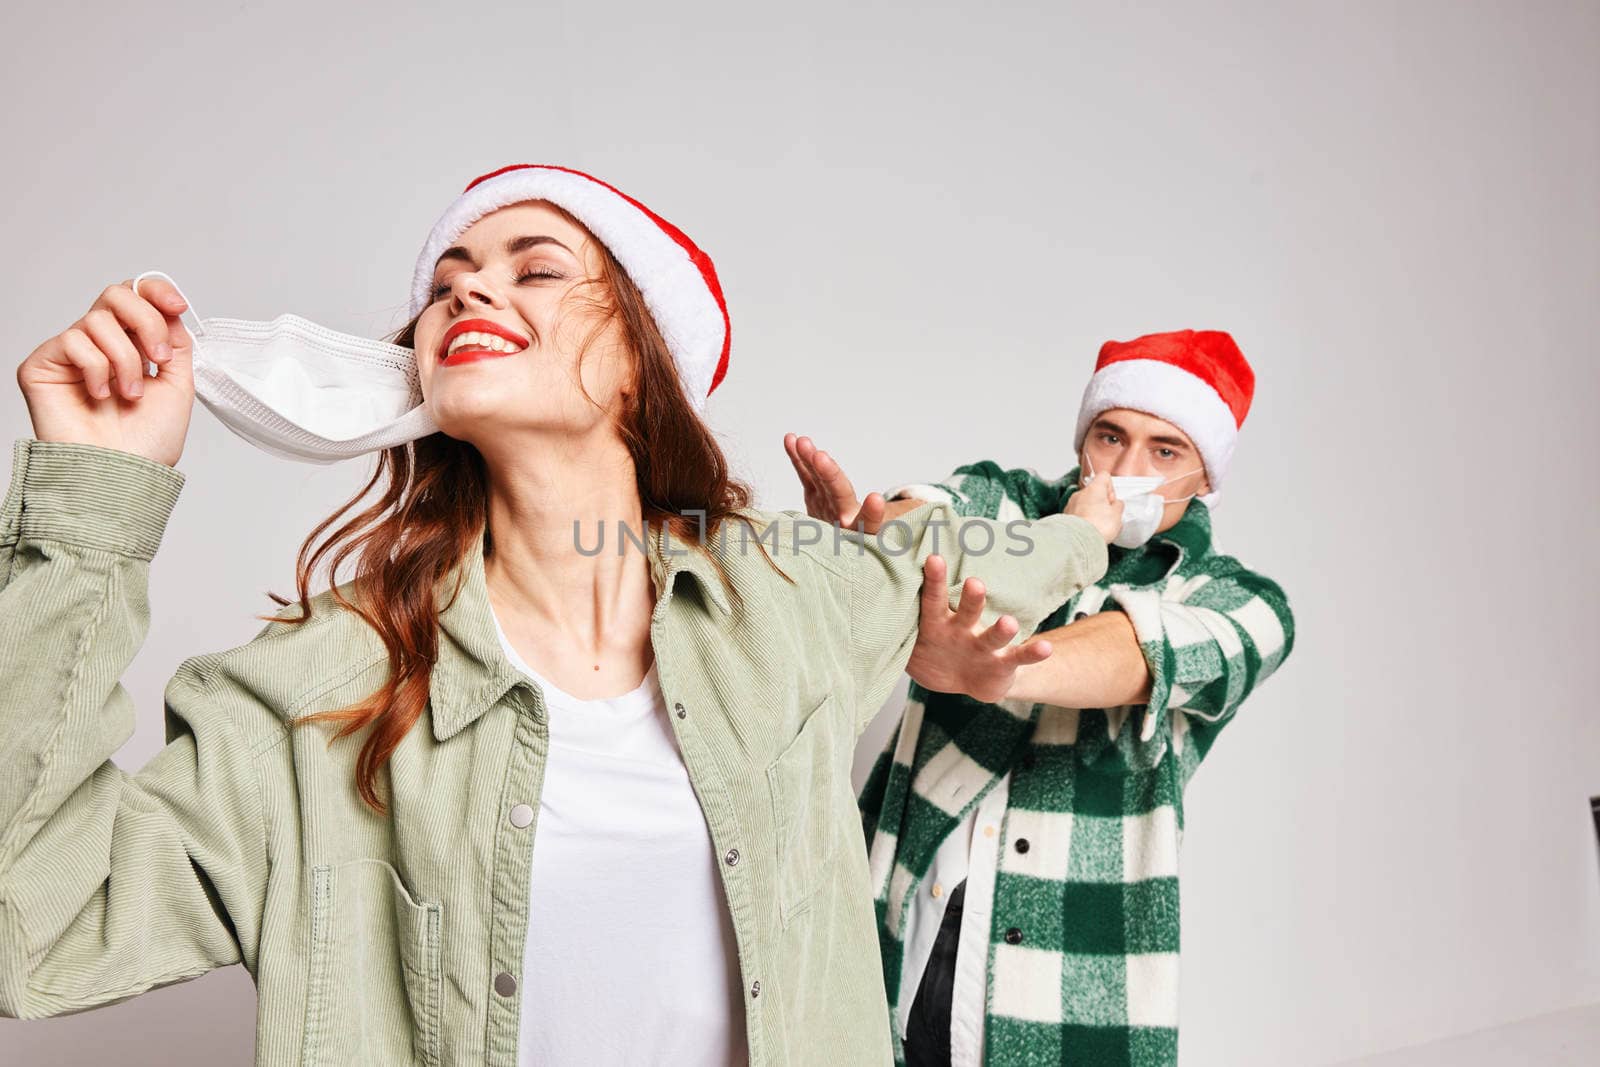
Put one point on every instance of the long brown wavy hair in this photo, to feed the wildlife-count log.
(436, 500)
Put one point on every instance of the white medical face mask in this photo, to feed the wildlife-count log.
(302, 391)
(1142, 506)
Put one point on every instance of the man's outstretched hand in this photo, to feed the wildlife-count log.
(954, 654)
(829, 494)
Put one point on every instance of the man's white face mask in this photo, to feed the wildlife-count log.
(302, 391)
(1142, 506)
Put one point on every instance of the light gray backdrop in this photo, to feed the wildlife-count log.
(927, 218)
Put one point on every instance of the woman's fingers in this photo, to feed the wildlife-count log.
(142, 318)
(115, 344)
(160, 294)
(83, 354)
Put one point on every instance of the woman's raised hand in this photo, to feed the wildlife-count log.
(88, 385)
(1096, 501)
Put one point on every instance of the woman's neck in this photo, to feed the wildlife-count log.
(563, 604)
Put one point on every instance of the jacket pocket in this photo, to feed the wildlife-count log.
(806, 810)
(375, 978)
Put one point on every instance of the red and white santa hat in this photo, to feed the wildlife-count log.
(1198, 380)
(677, 280)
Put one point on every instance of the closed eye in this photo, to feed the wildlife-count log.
(545, 273)
(542, 272)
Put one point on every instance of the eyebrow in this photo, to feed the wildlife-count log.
(1160, 439)
(513, 246)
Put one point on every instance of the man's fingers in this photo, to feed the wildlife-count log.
(999, 635)
(791, 445)
(802, 468)
(973, 596)
(935, 594)
(806, 447)
(1035, 650)
(838, 486)
(807, 450)
(873, 509)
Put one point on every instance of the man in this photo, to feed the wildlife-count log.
(1025, 851)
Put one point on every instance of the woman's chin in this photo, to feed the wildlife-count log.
(487, 418)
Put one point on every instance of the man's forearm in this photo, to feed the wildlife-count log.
(1095, 663)
(897, 507)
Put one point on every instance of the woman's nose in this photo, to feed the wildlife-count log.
(471, 288)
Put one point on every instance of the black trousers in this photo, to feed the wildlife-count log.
(927, 1042)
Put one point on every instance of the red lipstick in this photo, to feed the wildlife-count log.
(473, 351)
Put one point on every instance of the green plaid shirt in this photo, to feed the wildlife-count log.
(1089, 971)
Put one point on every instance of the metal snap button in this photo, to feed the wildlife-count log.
(1022, 844)
(732, 856)
(755, 988)
(1013, 936)
(521, 815)
(679, 709)
(505, 984)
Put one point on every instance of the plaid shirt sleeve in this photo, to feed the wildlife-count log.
(1209, 639)
(983, 490)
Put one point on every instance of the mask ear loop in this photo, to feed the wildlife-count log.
(1167, 481)
(190, 320)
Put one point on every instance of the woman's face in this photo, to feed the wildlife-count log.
(512, 304)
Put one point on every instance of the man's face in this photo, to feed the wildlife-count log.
(1125, 443)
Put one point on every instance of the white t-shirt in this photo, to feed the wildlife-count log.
(971, 853)
(630, 956)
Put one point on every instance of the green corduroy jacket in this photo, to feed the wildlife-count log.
(399, 938)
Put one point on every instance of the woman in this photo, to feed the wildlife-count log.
(699, 893)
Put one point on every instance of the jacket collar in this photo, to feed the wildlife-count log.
(471, 672)
(1190, 536)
